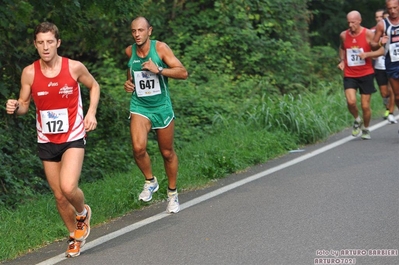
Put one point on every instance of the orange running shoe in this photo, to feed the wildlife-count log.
(82, 230)
(73, 249)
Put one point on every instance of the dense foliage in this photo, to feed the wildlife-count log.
(329, 18)
(236, 51)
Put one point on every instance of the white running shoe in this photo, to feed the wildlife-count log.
(149, 188)
(366, 134)
(173, 202)
(391, 119)
(357, 128)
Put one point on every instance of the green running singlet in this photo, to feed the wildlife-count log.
(151, 97)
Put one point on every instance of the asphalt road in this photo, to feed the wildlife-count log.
(335, 202)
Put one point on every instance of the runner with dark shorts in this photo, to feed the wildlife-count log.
(358, 72)
(388, 98)
(53, 84)
(387, 36)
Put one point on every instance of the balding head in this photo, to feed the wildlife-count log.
(355, 15)
(141, 30)
(394, 1)
(354, 20)
(393, 9)
(141, 20)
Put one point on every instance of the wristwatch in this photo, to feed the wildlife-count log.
(160, 69)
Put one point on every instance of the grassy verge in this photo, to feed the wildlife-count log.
(262, 132)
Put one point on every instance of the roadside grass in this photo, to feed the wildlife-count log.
(261, 132)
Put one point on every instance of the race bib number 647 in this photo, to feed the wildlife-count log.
(146, 83)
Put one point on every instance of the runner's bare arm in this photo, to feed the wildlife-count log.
(21, 106)
(175, 67)
(129, 86)
(372, 54)
(375, 42)
(82, 75)
(341, 51)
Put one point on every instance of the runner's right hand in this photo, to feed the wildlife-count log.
(11, 106)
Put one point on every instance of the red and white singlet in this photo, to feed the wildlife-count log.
(59, 109)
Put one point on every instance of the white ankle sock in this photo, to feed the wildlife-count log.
(84, 212)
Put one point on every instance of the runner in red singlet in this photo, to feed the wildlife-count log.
(358, 72)
(53, 84)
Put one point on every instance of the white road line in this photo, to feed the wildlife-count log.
(132, 227)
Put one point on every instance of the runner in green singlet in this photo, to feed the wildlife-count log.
(151, 63)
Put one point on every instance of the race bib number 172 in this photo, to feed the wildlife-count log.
(54, 121)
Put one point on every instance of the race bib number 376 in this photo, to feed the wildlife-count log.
(54, 121)
(353, 58)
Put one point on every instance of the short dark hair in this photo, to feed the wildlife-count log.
(46, 27)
